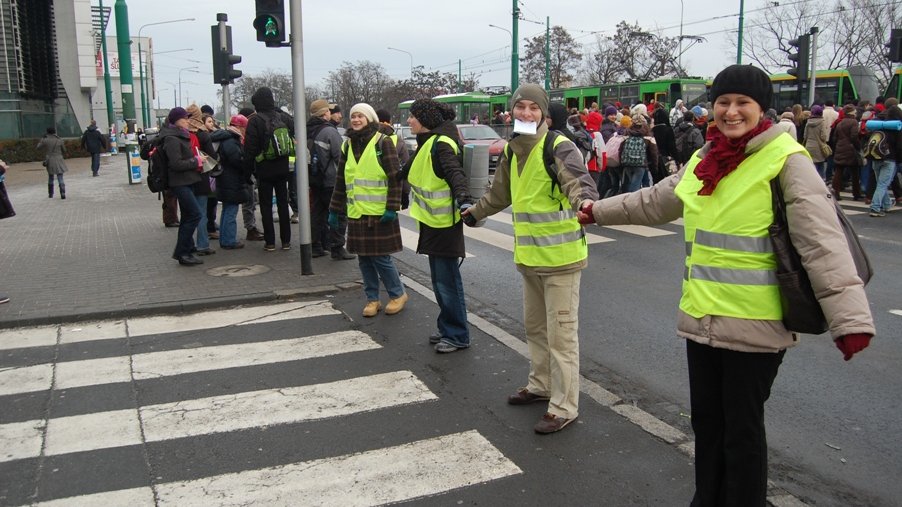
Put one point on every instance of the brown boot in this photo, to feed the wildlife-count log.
(396, 305)
(254, 235)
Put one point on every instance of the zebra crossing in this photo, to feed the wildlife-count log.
(77, 398)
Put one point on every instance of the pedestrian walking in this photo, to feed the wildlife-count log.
(846, 154)
(94, 142)
(730, 311)
(231, 185)
(550, 251)
(815, 137)
(54, 161)
(885, 169)
(184, 167)
(368, 188)
(439, 190)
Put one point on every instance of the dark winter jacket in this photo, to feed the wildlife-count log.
(687, 139)
(181, 161)
(847, 143)
(448, 241)
(663, 134)
(231, 185)
(203, 187)
(327, 150)
(608, 129)
(257, 135)
(893, 137)
(92, 140)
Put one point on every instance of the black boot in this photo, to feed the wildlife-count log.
(50, 190)
(340, 254)
(62, 191)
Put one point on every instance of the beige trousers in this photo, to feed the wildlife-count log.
(551, 314)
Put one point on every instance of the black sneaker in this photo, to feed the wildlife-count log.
(4, 299)
(444, 347)
(435, 338)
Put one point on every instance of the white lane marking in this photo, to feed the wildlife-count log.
(41, 336)
(174, 362)
(223, 318)
(508, 219)
(103, 330)
(219, 414)
(389, 475)
(20, 440)
(109, 370)
(89, 372)
(896, 312)
(851, 212)
(100, 430)
(135, 497)
(25, 379)
(640, 230)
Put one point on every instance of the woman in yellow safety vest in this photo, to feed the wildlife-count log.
(439, 190)
(730, 309)
(367, 186)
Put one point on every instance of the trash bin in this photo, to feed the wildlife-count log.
(133, 159)
(476, 167)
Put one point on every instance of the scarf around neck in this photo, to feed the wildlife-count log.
(724, 156)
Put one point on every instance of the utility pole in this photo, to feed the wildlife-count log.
(812, 66)
(107, 82)
(547, 53)
(296, 40)
(126, 81)
(515, 52)
(741, 21)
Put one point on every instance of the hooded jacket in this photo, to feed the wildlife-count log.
(257, 135)
(181, 160)
(231, 185)
(815, 233)
(327, 148)
(92, 140)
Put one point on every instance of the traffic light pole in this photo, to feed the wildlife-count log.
(812, 66)
(296, 40)
(223, 47)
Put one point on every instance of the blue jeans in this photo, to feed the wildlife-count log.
(228, 225)
(885, 170)
(189, 221)
(203, 237)
(865, 175)
(95, 162)
(819, 166)
(374, 267)
(449, 294)
(632, 178)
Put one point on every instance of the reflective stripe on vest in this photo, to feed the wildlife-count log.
(366, 184)
(431, 201)
(546, 232)
(730, 264)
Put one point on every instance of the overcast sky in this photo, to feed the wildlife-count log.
(436, 34)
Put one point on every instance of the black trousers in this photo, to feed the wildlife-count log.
(727, 394)
(323, 236)
(265, 189)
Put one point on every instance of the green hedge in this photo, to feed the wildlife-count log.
(24, 150)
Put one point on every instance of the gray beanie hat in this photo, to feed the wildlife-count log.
(533, 92)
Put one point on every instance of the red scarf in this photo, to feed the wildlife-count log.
(725, 155)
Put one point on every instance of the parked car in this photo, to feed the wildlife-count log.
(409, 138)
(483, 134)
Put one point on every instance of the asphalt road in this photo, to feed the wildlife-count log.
(833, 426)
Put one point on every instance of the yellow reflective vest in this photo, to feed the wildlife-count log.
(546, 232)
(431, 201)
(730, 265)
(366, 184)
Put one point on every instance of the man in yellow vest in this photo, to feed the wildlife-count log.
(550, 251)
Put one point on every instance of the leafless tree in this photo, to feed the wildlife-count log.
(564, 54)
(364, 81)
(279, 82)
(599, 64)
(642, 55)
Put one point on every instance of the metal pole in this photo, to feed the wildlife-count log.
(680, 55)
(141, 78)
(812, 66)
(547, 52)
(296, 39)
(515, 52)
(107, 82)
(739, 44)
(223, 47)
(126, 77)
(460, 85)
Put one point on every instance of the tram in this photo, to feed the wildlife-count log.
(842, 86)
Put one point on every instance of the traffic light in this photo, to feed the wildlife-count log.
(223, 60)
(895, 45)
(800, 58)
(270, 22)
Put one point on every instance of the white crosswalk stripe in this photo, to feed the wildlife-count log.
(417, 468)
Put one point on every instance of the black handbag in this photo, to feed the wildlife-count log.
(6, 207)
(801, 311)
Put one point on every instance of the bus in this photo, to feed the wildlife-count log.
(842, 86)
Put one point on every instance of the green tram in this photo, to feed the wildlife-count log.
(842, 86)
(662, 91)
(894, 88)
(465, 106)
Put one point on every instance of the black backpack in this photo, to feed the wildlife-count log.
(315, 169)
(158, 166)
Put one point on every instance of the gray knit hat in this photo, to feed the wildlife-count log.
(533, 92)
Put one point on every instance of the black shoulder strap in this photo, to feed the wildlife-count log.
(548, 157)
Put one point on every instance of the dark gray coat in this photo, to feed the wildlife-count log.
(55, 149)
(180, 159)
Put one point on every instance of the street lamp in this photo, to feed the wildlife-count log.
(144, 115)
(680, 55)
(512, 50)
(189, 69)
(411, 59)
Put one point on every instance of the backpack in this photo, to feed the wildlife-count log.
(632, 152)
(158, 166)
(685, 146)
(278, 139)
(877, 146)
(547, 157)
(314, 168)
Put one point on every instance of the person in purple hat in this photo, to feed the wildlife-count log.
(184, 167)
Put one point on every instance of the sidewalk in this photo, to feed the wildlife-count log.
(104, 253)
